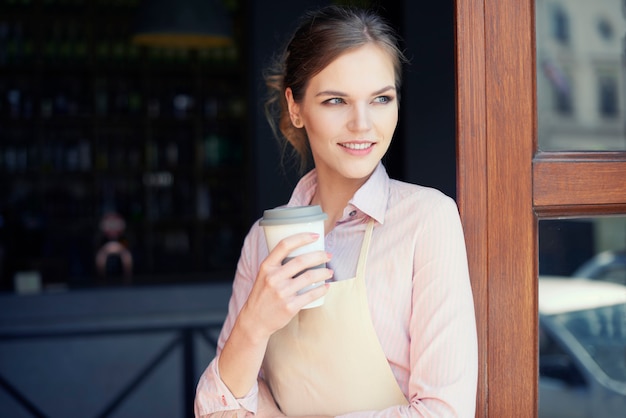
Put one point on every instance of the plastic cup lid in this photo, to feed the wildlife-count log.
(292, 214)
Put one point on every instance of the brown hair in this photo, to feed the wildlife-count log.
(322, 36)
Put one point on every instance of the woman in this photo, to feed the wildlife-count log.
(396, 334)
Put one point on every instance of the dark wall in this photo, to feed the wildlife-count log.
(270, 27)
(423, 150)
(429, 95)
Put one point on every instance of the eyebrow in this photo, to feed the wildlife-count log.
(342, 94)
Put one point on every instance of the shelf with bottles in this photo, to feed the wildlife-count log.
(119, 153)
(88, 33)
(24, 150)
(51, 99)
(68, 201)
(90, 123)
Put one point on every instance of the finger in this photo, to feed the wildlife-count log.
(307, 280)
(310, 277)
(312, 295)
(294, 266)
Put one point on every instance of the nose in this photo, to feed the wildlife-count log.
(360, 118)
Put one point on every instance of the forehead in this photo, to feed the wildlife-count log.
(368, 66)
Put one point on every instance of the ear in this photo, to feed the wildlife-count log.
(294, 109)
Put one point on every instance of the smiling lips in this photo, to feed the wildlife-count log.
(357, 145)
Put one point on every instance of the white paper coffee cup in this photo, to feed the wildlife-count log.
(282, 222)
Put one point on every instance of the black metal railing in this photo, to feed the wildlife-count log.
(183, 336)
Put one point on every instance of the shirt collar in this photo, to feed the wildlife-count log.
(371, 198)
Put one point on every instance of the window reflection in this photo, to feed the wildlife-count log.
(581, 74)
(560, 24)
(582, 317)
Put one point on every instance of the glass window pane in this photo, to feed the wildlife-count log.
(580, 75)
(582, 317)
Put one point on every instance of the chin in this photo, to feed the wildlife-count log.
(361, 173)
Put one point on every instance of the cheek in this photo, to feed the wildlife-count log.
(388, 123)
(323, 124)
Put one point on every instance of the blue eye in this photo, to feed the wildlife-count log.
(334, 101)
(383, 99)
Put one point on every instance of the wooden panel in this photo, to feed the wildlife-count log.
(471, 168)
(512, 236)
(502, 190)
(495, 73)
(580, 179)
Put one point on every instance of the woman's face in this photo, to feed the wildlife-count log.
(349, 111)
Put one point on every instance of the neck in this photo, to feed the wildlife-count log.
(333, 196)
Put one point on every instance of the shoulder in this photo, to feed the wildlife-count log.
(418, 198)
(420, 209)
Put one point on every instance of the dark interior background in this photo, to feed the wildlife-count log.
(46, 228)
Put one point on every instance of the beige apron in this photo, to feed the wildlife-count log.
(328, 360)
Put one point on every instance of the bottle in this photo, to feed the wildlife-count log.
(4, 40)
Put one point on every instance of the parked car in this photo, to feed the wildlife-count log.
(607, 265)
(582, 348)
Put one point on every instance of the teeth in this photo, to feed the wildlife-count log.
(357, 146)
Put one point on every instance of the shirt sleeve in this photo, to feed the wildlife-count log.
(213, 398)
(443, 342)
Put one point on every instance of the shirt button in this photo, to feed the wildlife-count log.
(353, 213)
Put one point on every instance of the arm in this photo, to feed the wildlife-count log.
(442, 331)
(258, 307)
(272, 303)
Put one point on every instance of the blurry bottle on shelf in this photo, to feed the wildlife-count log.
(84, 155)
(211, 107)
(27, 103)
(72, 157)
(135, 100)
(104, 45)
(75, 103)
(4, 41)
(183, 105)
(120, 101)
(236, 107)
(203, 202)
(102, 157)
(46, 107)
(171, 154)
(60, 104)
(52, 44)
(14, 101)
(118, 48)
(14, 44)
(17, 49)
(134, 158)
(10, 159)
(65, 43)
(216, 150)
(76, 40)
(152, 155)
(101, 97)
(117, 154)
(212, 150)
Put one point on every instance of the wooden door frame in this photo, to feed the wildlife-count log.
(504, 185)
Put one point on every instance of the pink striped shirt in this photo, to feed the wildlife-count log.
(418, 290)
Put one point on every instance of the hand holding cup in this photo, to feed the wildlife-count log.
(284, 222)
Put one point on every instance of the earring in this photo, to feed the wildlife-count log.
(296, 122)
